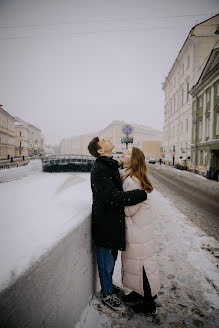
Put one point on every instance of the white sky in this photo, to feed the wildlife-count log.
(71, 67)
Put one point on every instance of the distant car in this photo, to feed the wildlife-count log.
(117, 155)
(152, 161)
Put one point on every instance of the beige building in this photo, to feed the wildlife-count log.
(152, 149)
(21, 140)
(141, 133)
(35, 138)
(185, 72)
(7, 134)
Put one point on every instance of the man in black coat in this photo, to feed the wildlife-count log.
(108, 218)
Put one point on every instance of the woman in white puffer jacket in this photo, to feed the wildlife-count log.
(139, 266)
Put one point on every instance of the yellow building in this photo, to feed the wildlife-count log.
(7, 134)
(35, 138)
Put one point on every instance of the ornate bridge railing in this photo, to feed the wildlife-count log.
(67, 163)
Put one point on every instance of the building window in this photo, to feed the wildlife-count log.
(188, 62)
(205, 158)
(193, 156)
(208, 96)
(187, 94)
(20, 144)
(200, 102)
(200, 129)
(218, 89)
(20, 134)
(201, 159)
(187, 125)
(182, 96)
(182, 69)
(217, 124)
(207, 126)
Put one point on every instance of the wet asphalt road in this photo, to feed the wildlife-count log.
(197, 198)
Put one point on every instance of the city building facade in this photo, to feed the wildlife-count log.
(21, 140)
(205, 120)
(34, 137)
(7, 134)
(140, 134)
(185, 72)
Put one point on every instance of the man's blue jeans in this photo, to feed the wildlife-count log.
(106, 258)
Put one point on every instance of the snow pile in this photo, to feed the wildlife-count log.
(36, 212)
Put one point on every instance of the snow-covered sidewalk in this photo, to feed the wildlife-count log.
(189, 296)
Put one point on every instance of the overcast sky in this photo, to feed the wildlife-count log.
(71, 67)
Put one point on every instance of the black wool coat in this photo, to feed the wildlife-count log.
(109, 199)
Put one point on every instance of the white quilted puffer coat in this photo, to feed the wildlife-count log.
(140, 247)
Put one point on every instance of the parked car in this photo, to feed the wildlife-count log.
(152, 161)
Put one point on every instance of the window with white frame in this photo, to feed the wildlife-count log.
(200, 129)
(194, 131)
(208, 96)
(187, 91)
(205, 158)
(200, 102)
(193, 156)
(207, 126)
(187, 125)
(217, 124)
(188, 62)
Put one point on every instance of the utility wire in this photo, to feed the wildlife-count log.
(130, 29)
(108, 20)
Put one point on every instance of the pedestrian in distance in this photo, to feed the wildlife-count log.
(139, 266)
(160, 160)
(108, 217)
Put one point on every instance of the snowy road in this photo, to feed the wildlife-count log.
(195, 196)
(188, 257)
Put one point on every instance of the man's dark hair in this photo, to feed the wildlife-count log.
(94, 146)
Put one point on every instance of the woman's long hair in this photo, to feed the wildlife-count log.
(137, 168)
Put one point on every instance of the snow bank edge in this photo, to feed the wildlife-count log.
(57, 288)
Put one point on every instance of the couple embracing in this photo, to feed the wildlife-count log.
(122, 219)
